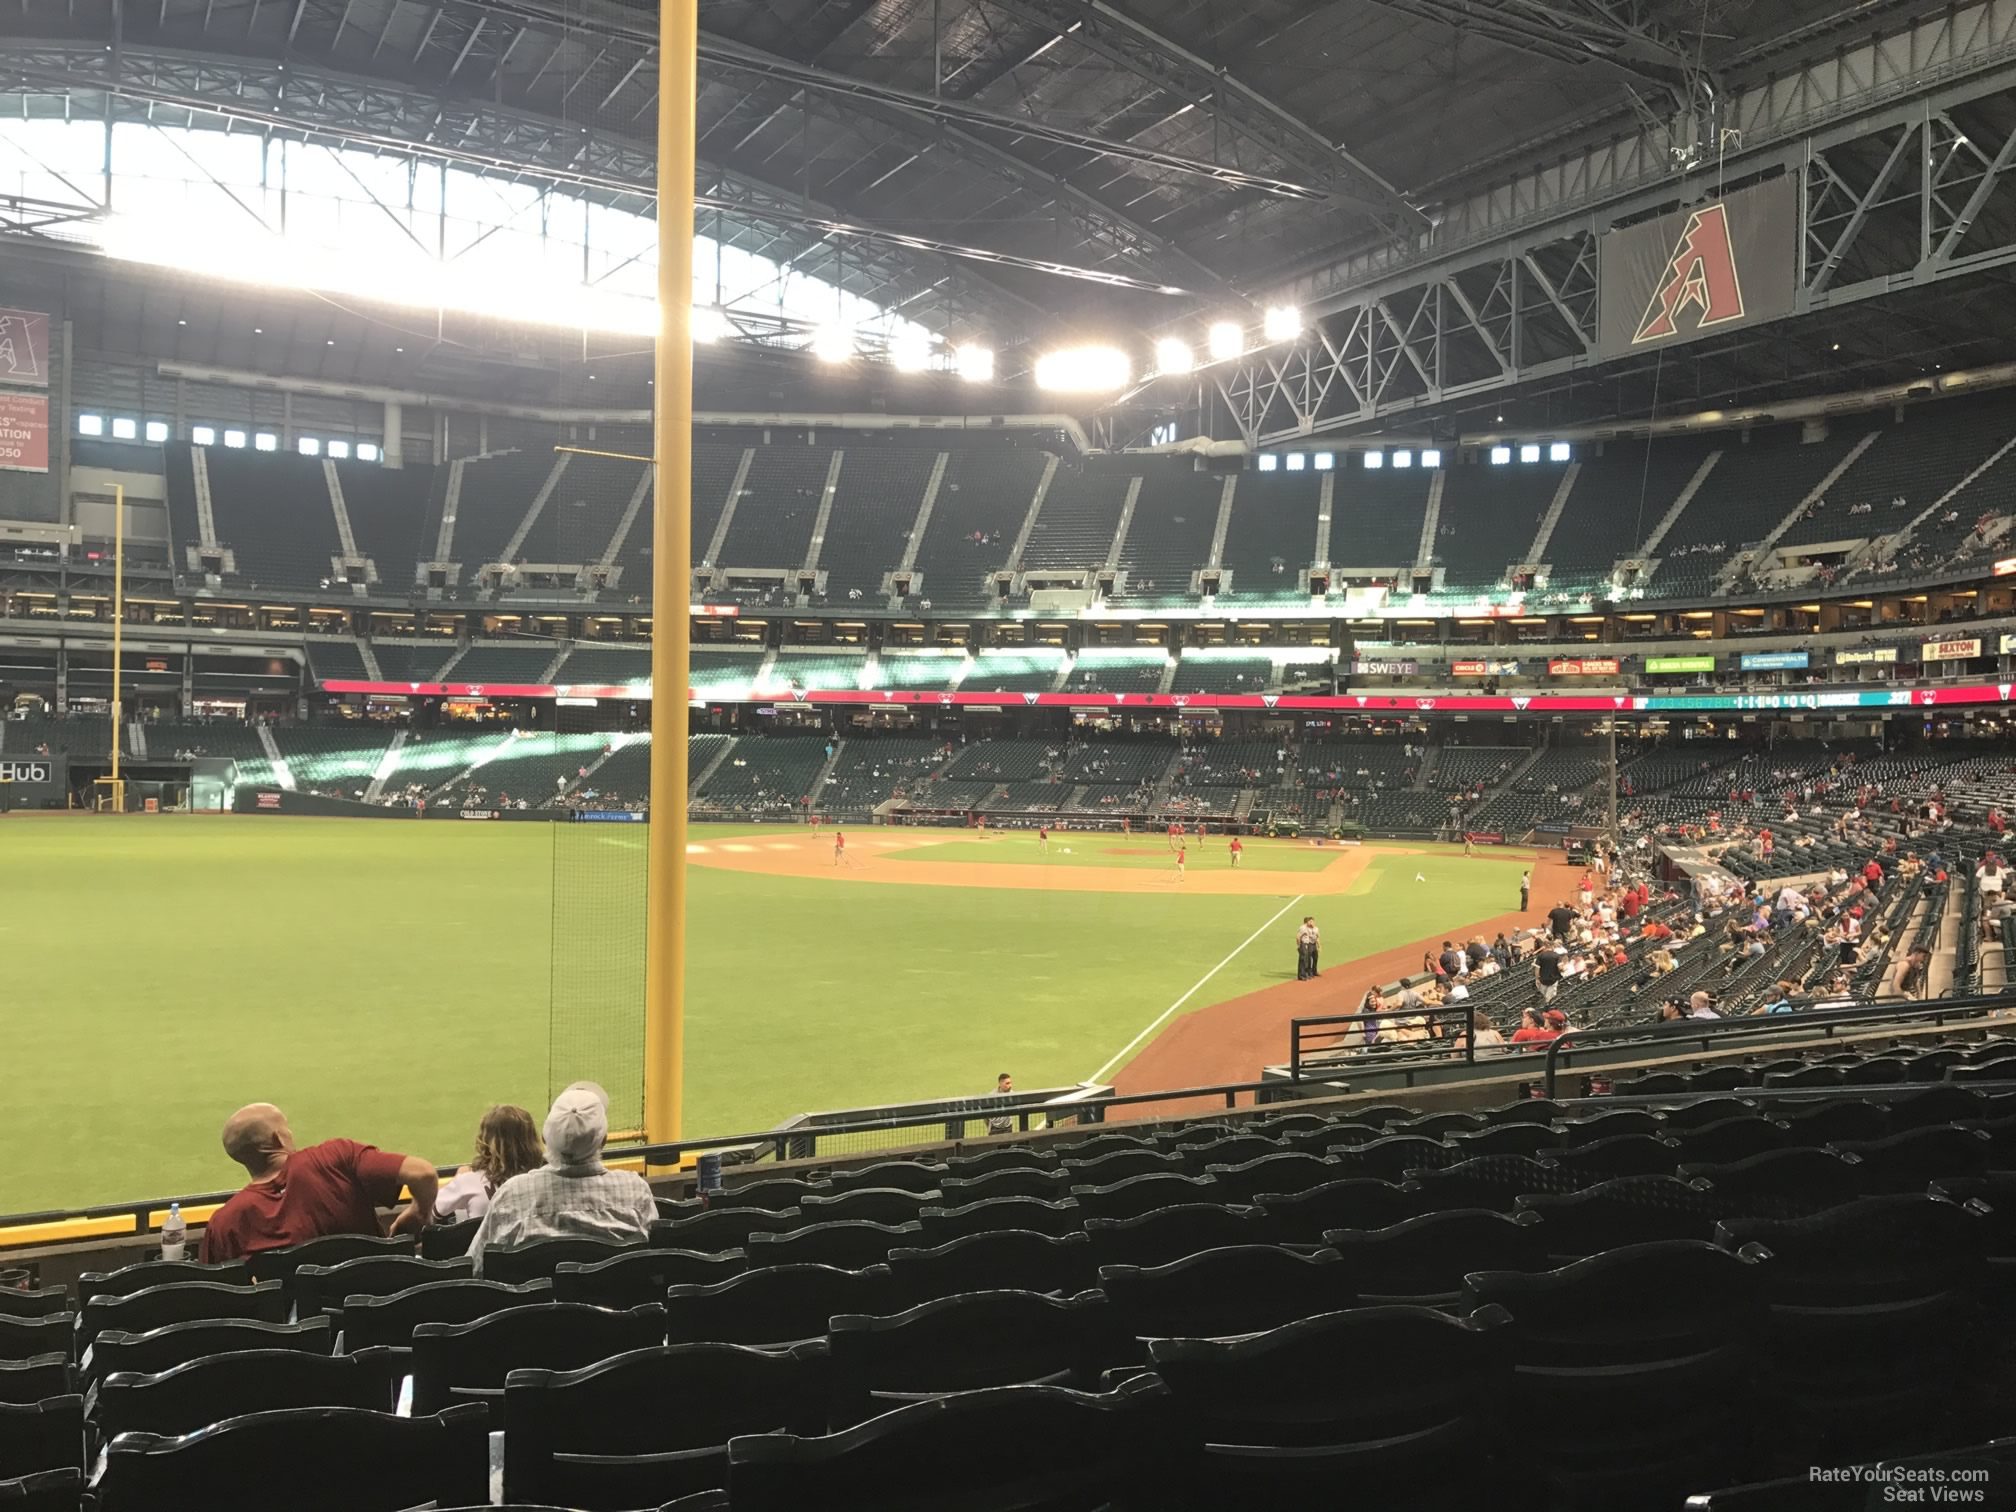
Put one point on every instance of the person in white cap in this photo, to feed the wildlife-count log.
(573, 1195)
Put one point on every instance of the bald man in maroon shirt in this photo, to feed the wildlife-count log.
(335, 1187)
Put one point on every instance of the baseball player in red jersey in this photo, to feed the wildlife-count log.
(1175, 836)
(1043, 838)
(839, 846)
(1237, 850)
(1182, 855)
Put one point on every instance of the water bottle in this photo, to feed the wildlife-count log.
(174, 1234)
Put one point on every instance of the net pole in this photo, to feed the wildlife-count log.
(671, 577)
(118, 620)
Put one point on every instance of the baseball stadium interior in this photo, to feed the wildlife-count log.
(1142, 490)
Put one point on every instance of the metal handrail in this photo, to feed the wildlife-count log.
(1447, 1056)
(1902, 1010)
(670, 1153)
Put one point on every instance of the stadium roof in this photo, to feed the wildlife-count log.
(1004, 168)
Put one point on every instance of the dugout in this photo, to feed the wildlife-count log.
(166, 783)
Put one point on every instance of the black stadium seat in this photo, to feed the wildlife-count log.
(29, 1338)
(601, 1436)
(156, 1306)
(214, 1387)
(36, 1303)
(132, 1278)
(454, 1362)
(847, 1246)
(1006, 1259)
(319, 1288)
(1357, 1202)
(1034, 1448)
(538, 1260)
(1171, 1233)
(780, 1304)
(44, 1435)
(44, 1491)
(1051, 1184)
(1424, 1260)
(1238, 1290)
(970, 1341)
(161, 1349)
(50, 1375)
(1031, 1213)
(642, 1275)
(391, 1319)
(317, 1459)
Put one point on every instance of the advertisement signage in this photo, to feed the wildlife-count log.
(1584, 666)
(1679, 664)
(1485, 668)
(24, 432)
(1776, 661)
(1868, 656)
(1950, 650)
(24, 347)
(2008, 644)
(1385, 668)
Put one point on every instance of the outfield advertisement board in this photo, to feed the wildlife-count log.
(33, 782)
(1382, 703)
(1484, 668)
(1868, 656)
(1584, 666)
(1775, 661)
(1950, 650)
(1679, 664)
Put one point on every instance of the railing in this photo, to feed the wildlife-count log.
(1709, 1033)
(1317, 1046)
(796, 1142)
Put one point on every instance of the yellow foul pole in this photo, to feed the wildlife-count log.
(118, 621)
(671, 577)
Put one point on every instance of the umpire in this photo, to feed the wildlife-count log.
(1308, 942)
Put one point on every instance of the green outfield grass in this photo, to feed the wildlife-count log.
(388, 981)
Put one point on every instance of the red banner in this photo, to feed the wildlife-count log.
(24, 432)
(1586, 666)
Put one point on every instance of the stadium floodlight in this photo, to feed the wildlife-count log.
(1325, 461)
(1084, 370)
(201, 435)
(1173, 357)
(1500, 455)
(1529, 452)
(1282, 323)
(1225, 340)
(157, 430)
(1403, 458)
(976, 363)
(710, 324)
(1375, 460)
(1431, 458)
(310, 446)
(1560, 451)
(910, 352)
(833, 343)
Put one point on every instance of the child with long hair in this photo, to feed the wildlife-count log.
(507, 1145)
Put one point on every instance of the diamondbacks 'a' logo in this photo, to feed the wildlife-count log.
(1271, 699)
(18, 357)
(1520, 703)
(1030, 698)
(1700, 276)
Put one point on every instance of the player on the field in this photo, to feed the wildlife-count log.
(1182, 855)
(1237, 850)
(1175, 835)
(1043, 838)
(839, 847)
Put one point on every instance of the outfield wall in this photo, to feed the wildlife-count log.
(276, 800)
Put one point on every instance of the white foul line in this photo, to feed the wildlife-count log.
(1100, 1074)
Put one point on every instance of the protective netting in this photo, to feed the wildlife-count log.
(596, 1019)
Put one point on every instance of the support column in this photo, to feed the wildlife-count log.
(671, 577)
(393, 447)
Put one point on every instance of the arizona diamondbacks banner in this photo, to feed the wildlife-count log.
(1701, 271)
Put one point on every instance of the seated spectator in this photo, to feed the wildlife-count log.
(507, 1145)
(573, 1194)
(1533, 1028)
(335, 1187)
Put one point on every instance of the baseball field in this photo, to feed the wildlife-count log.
(389, 981)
